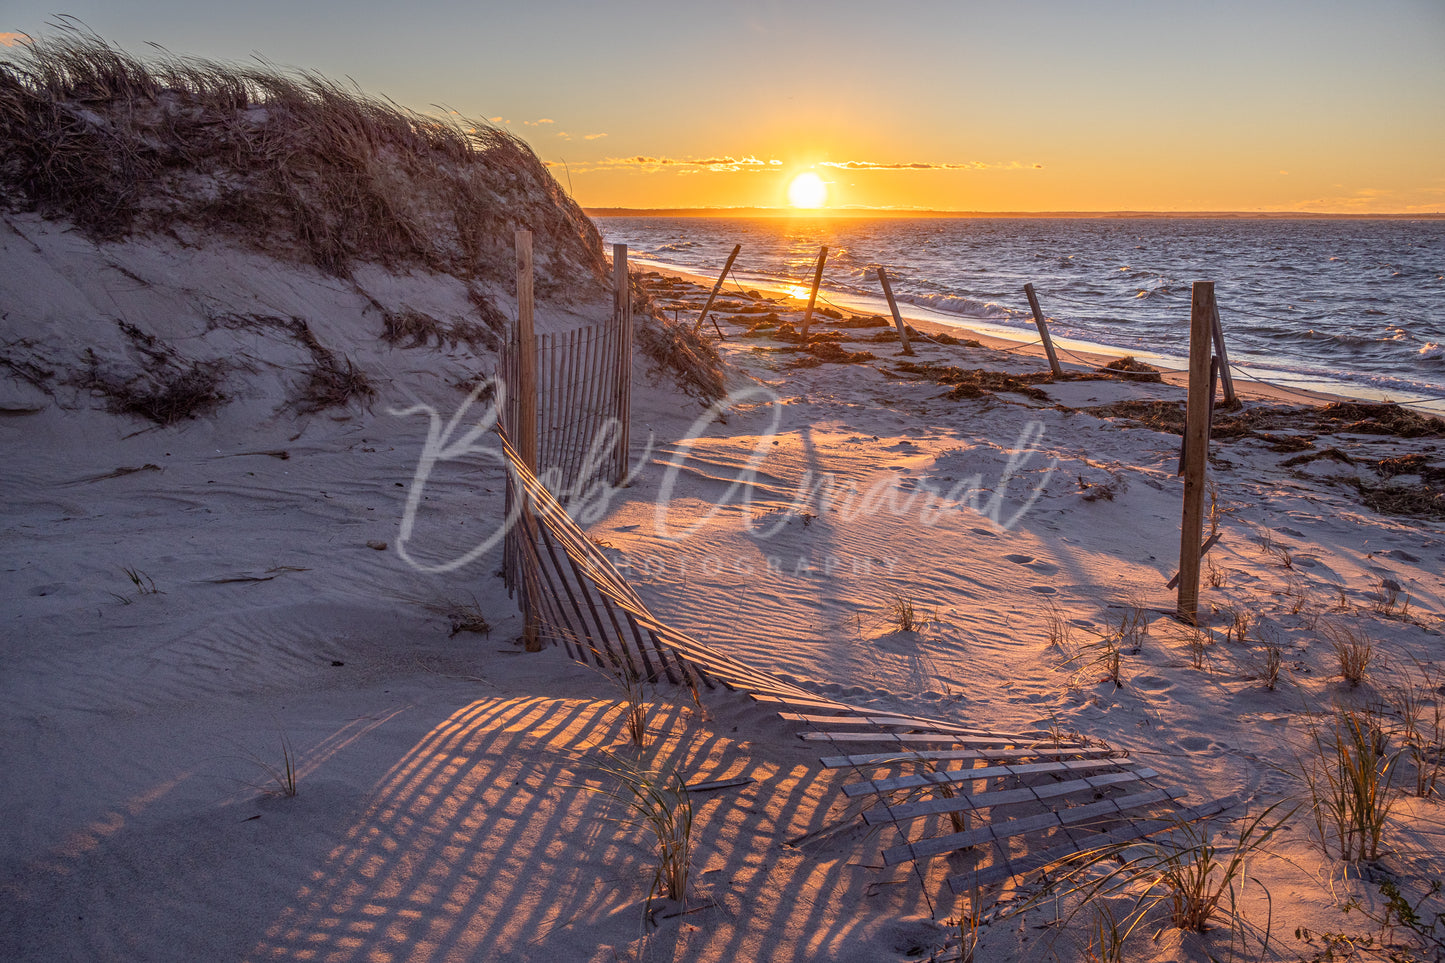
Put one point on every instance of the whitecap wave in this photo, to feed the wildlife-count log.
(964, 307)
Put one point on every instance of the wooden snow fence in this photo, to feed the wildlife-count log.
(578, 383)
(1009, 803)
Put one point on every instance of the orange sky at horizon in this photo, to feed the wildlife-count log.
(1321, 106)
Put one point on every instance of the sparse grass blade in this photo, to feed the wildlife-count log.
(144, 584)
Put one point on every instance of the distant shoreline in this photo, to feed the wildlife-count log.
(1043, 215)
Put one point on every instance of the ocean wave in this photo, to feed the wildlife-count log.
(1161, 290)
(964, 306)
(1347, 340)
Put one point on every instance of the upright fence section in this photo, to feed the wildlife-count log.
(577, 394)
(580, 405)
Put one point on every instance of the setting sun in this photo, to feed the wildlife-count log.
(807, 190)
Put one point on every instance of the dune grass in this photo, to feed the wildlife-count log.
(280, 159)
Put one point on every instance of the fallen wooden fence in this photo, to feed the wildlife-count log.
(1045, 797)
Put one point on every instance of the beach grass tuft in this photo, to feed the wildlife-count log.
(282, 778)
(1194, 873)
(656, 800)
(1348, 778)
(903, 614)
(1354, 651)
(1060, 630)
(1421, 710)
(1390, 600)
(1273, 549)
(1273, 660)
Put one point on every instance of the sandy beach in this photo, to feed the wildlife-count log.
(264, 694)
(440, 811)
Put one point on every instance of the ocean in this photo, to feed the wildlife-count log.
(1350, 306)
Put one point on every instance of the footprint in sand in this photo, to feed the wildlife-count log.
(1043, 568)
(1152, 684)
(984, 533)
(1044, 589)
(1197, 743)
(1400, 555)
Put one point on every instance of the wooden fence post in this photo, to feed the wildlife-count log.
(817, 279)
(1043, 330)
(893, 306)
(1196, 450)
(1223, 356)
(715, 288)
(526, 389)
(622, 307)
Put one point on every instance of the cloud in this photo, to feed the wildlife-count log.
(725, 162)
(593, 136)
(921, 166)
(13, 39)
(1364, 200)
(679, 165)
(539, 121)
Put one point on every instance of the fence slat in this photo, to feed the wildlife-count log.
(977, 802)
(997, 832)
(948, 777)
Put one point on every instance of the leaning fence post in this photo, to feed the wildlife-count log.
(715, 288)
(1043, 330)
(1223, 355)
(526, 389)
(893, 306)
(1196, 450)
(813, 296)
(622, 311)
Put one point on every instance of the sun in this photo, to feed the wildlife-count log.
(807, 190)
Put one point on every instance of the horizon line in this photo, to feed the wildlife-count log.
(600, 211)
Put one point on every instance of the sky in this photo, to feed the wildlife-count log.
(1050, 105)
